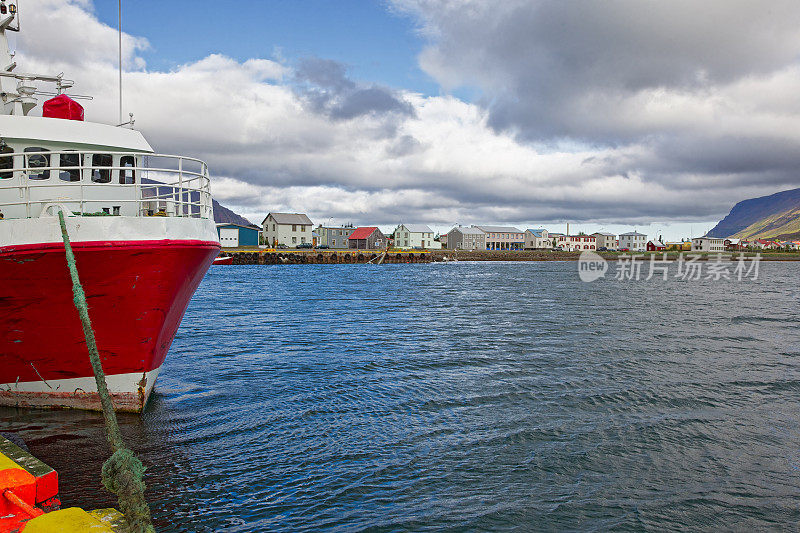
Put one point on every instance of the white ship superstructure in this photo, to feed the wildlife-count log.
(142, 229)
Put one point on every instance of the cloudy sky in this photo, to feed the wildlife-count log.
(614, 114)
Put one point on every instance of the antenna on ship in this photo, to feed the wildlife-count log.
(120, 61)
(130, 121)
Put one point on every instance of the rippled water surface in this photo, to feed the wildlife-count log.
(463, 397)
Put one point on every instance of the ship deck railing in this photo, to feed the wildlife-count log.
(153, 185)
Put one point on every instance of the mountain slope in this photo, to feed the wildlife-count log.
(223, 215)
(774, 216)
(782, 226)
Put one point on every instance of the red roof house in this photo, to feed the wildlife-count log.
(734, 244)
(367, 238)
(765, 244)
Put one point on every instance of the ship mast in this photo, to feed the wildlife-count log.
(17, 89)
(14, 100)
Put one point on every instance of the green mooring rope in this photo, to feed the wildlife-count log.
(123, 471)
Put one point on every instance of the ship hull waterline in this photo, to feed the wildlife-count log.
(137, 292)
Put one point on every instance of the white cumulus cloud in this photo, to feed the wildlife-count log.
(589, 113)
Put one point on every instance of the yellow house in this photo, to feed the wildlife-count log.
(681, 246)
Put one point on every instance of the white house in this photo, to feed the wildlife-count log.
(606, 240)
(536, 239)
(289, 229)
(414, 236)
(633, 241)
(708, 244)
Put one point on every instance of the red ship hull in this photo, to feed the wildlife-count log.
(137, 293)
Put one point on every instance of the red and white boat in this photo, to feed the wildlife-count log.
(142, 229)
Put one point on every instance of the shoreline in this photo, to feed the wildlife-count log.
(255, 256)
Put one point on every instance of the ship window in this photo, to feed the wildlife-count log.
(38, 161)
(126, 176)
(6, 162)
(70, 167)
(99, 174)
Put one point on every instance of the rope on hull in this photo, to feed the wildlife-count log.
(123, 472)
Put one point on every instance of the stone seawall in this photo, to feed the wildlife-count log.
(504, 255)
(293, 257)
(319, 257)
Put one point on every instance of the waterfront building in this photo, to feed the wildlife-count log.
(537, 239)
(443, 240)
(733, 244)
(708, 244)
(235, 235)
(679, 246)
(608, 241)
(764, 244)
(656, 246)
(577, 243)
(408, 236)
(289, 229)
(367, 238)
(462, 238)
(633, 241)
(503, 237)
(334, 237)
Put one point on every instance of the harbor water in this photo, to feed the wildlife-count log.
(461, 397)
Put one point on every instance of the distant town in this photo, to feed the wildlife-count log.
(297, 231)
